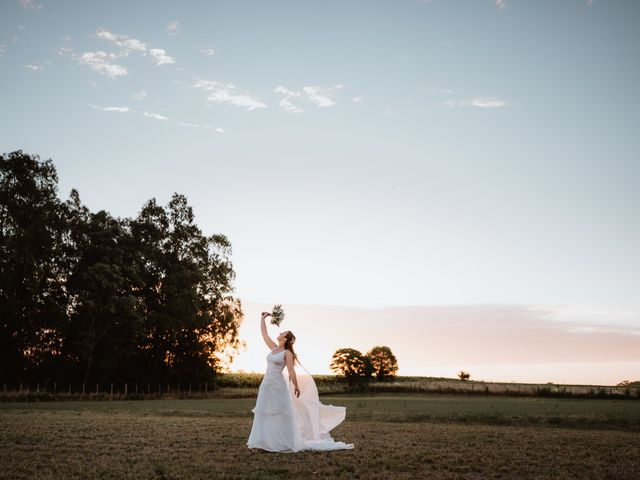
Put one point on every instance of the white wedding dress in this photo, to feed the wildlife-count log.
(283, 422)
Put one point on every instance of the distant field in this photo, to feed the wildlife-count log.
(395, 436)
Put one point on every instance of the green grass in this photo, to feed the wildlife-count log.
(403, 436)
(488, 410)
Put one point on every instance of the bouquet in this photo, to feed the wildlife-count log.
(277, 315)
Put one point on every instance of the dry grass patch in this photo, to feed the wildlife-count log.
(124, 445)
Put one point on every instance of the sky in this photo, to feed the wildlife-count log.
(471, 160)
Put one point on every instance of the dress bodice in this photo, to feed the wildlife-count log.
(275, 362)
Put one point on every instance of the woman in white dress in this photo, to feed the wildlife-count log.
(291, 418)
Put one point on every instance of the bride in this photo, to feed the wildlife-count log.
(291, 419)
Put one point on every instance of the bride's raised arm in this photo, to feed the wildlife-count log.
(270, 343)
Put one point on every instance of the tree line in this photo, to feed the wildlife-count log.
(89, 297)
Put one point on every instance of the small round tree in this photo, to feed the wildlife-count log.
(383, 361)
(351, 364)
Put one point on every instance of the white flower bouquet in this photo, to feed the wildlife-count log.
(277, 315)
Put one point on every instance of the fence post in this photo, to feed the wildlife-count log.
(55, 387)
(83, 389)
(37, 388)
(69, 388)
(97, 389)
(125, 389)
(111, 389)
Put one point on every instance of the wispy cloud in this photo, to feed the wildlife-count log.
(357, 99)
(208, 51)
(228, 93)
(286, 103)
(286, 91)
(320, 96)
(208, 127)
(215, 129)
(157, 116)
(34, 68)
(289, 107)
(11, 38)
(102, 62)
(29, 4)
(141, 95)
(128, 44)
(590, 315)
(482, 102)
(123, 41)
(488, 102)
(172, 28)
(112, 109)
(500, 4)
(38, 66)
(160, 57)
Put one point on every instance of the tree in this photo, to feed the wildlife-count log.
(351, 364)
(105, 321)
(32, 278)
(186, 288)
(383, 361)
(88, 297)
(628, 383)
(464, 376)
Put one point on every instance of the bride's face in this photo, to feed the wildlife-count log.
(282, 337)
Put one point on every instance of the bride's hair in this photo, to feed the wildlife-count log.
(288, 344)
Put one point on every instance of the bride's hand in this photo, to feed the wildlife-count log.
(265, 314)
(297, 392)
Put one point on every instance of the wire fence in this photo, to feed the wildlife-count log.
(116, 391)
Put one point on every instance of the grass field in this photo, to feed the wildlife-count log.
(395, 436)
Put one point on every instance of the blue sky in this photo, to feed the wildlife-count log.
(361, 153)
